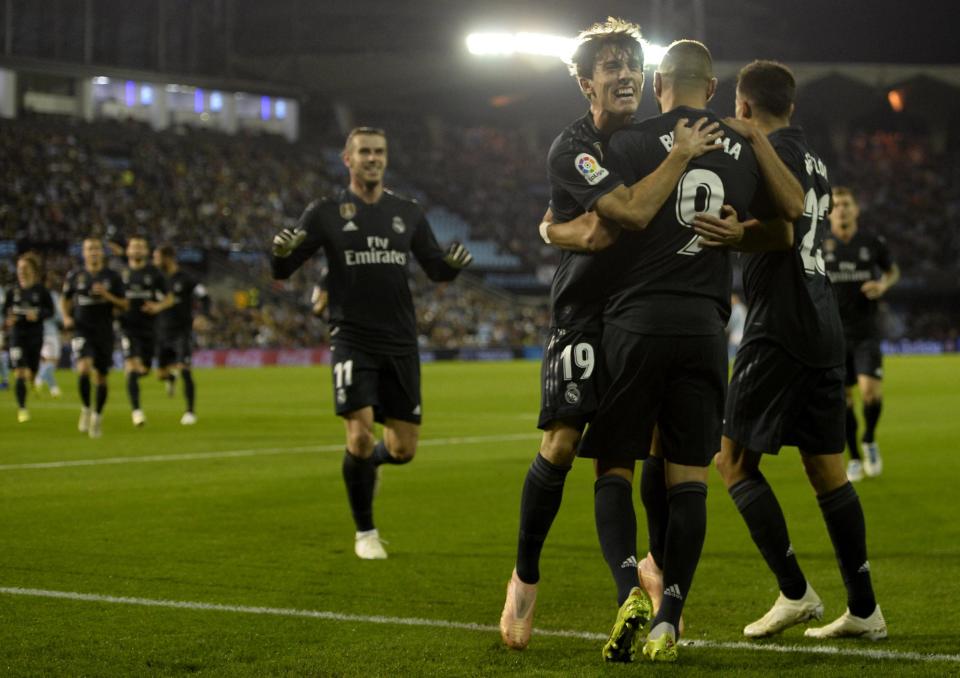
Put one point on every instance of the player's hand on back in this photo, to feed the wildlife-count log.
(286, 241)
(602, 233)
(458, 256)
(744, 128)
(723, 231)
(694, 140)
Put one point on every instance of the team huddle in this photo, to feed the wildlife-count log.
(647, 216)
(152, 302)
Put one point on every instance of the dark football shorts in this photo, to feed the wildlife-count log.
(25, 352)
(175, 348)
(863, 357)
(568, 376)
(388, 383)
(138, 345)
(97, 346)
(776, 400)
(675, 382)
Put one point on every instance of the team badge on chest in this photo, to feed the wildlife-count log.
(348, 210)
(398, 225)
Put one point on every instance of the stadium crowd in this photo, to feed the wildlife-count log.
(63, 179)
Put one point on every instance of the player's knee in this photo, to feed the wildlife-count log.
(403, 451)
(360, 442)
(559, 445)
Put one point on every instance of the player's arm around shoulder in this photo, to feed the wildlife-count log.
(587, 233)
(785, 191)
(634, 207)
(293, 246)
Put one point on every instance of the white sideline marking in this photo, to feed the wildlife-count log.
(255, 452)
(466, 626)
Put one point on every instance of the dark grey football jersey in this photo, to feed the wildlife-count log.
(367, 248)
(579, 176)
(849, 265)
(789, 297)
(665, 282)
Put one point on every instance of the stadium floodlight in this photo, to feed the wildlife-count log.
(541, 44)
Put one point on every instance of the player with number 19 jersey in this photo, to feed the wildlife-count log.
(664, 352)
(579, 176)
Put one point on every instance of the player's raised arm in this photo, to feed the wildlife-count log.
(439, 265)
(633, 208)
(293, 246)
(784, 190)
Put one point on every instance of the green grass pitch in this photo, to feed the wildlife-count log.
(272, 529)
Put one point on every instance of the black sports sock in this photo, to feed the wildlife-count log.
(653, 493)
(83, 384)
(686, 530)
(761, 511)
(359, 476)
(133, 389)
(101, 397)
(21, 390)
(871, 415)
(382, 456)
(539, 503)
(848, 532)
(189, 391)
(851, 430)
(617, 530)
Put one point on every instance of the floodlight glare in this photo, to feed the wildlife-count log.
(506, 44)
(541, 44)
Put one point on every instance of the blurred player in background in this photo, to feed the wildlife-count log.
(4, 355)
(146, 293)
(367, 233)
(608, 65)
(50, 353)
(175, 326)
(26, 306)
(861, 269)
(91, 295)
(787, 384)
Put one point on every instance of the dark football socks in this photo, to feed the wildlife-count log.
(844, 517)
(189, 391)
(653, 493)
(133, 389)
(101, 397)
(83, 385)
(871, 415)
(851, 431)
(21, 389)
(617, 530)
(359, 476)
(539, 503)
(761, 511)
(686, 530)
(382, 456)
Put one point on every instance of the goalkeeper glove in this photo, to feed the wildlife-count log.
(286, 241)
(458, 256)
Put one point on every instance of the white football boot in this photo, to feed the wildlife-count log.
(83, 425)
(872, 462)
(786, 613)
(848, 626)
(138, 418)
(188, 419)
(96, 425)
(516, 620)
(369, 546)
(854, 470)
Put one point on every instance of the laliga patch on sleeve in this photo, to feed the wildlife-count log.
(591, 170)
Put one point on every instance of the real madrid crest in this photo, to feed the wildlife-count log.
(572, 394)
(864, 254)
(398, 225)
(348, 210)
